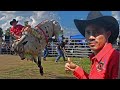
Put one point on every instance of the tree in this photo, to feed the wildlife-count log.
(7, 35)
(7, 32)
(1, 32)
(26, 23)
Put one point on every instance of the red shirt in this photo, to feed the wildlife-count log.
(105, 65)
(17, 30)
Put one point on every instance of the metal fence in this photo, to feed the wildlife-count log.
(73, 49)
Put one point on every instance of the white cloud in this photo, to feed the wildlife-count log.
(6, 16)
(8, 12)
(33, 22)
(70, 31)
(2, 18)
(4, 26)
(116, 14)
(19, 18)
(34, 17)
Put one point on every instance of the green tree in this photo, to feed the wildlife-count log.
(26, 23)
(1, 32)
(7, 32)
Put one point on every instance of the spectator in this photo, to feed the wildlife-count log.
(61, 50)
(46, 52)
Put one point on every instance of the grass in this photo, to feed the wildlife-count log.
(11, 67)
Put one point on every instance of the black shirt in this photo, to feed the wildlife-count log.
(61, 45)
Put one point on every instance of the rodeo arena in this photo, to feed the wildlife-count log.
(76, 47)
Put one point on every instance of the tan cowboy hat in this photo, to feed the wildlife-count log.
(96, 17)
(14, 20)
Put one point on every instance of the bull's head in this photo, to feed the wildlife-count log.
(57, 29)
(51, 28)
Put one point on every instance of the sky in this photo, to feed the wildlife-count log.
(65, 18)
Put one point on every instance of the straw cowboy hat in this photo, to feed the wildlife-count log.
(14, 20)
(96, 17)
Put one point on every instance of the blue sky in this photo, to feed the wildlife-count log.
(65, 18)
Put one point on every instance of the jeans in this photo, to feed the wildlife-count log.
(60, 54)
(45, 53)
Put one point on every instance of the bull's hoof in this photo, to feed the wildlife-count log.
(41, 74)
(22, 58)
(41, 71)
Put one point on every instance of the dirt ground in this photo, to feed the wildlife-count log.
(11, 67)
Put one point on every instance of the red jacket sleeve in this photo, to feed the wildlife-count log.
(80, 73)
(11, 31)
(114, 65)
(20, 27)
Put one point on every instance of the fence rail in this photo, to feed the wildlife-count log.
(73, 49)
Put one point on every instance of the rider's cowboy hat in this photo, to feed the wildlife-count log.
(95, 17)
(14, 20)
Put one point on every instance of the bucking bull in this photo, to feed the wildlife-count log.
(34, 40)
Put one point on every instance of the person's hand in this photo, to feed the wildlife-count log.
(36, 27)
(17, 36)
(26, 29)
(70, 66)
